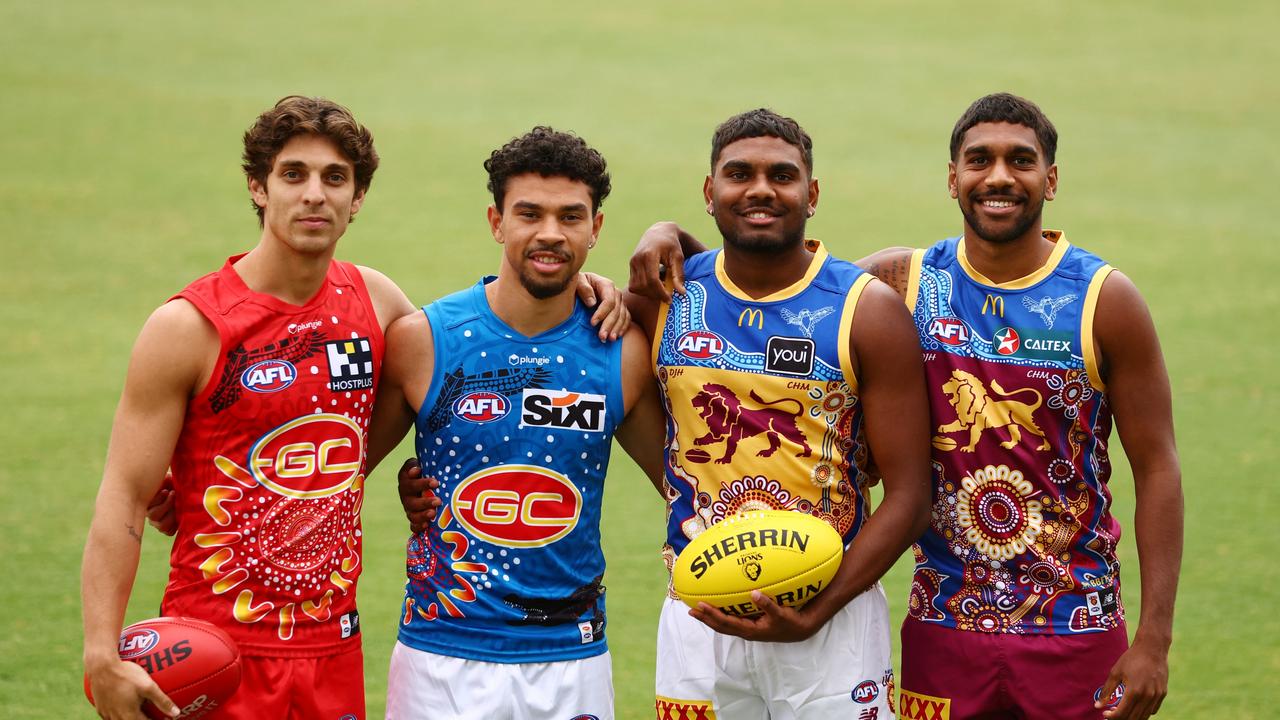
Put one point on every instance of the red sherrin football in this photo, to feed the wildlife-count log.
(194, 662)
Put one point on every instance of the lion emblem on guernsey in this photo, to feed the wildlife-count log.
(977, 410)
(728, 421)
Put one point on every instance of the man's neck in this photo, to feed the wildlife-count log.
(763, 274)
(273, 269)
(524, 313)
(1007, 261)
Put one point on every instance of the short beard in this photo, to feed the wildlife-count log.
(544, 290)
(761, 245)
(1020, 227)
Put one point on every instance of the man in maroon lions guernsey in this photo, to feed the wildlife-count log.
(1032, 347)
(256, 383)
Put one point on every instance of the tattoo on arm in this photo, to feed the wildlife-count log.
(133, 533)
(895, 273)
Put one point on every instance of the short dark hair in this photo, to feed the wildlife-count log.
(298, 115)
(549, 153)
(1007, 108)
(762, 122)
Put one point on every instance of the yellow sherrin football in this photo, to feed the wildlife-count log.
(789, 556)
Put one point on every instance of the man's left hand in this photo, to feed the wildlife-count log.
(1145, 673)
(776, 623)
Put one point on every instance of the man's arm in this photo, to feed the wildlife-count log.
(642, 433)
(171, 359)
(406, 377)
(896, 416)
(891, 265)
(661, 251)
(1141, 401)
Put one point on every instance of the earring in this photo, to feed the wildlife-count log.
(811, 212)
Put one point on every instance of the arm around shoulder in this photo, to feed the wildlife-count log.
(891, 265)
(642, 433)
(407, 368)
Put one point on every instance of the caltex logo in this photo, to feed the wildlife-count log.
(1007, 341)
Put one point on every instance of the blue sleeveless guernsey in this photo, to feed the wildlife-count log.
(518, 432)
(1022, 539)
(761, 399)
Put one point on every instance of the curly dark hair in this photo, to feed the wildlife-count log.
(549, 153)
(1007, 108)
(761, 122)
(296, 115)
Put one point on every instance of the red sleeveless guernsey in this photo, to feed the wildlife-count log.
(270, 466)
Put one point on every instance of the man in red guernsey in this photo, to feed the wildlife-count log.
(256, 384)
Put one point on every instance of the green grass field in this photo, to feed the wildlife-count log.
(121, 137)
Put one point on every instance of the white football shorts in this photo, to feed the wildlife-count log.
(843, 671)
(426, 686)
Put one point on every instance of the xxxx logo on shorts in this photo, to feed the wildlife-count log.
(671, 709)
(923, 707)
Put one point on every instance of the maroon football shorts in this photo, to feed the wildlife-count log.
(952, 674)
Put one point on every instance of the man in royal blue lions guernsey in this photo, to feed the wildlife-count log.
(784, 372)
(256, 384)
(1032, 347)
(516, 402)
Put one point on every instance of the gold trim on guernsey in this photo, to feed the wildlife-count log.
(663, 310)
(1088, 347)
(819, 257)
(1060, 245)
(913, 278)
(846, 329)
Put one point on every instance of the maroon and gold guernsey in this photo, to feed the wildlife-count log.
(270, 466)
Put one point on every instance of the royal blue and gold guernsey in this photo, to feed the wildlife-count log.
(1021, 538)
(518, 431)
(761, 399)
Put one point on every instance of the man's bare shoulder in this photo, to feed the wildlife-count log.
(389, 300)
(891, 265)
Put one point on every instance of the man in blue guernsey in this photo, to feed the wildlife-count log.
(516, 402)
(786, 373)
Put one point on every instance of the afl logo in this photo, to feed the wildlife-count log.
(313, 456)
(700, 344)
(481, 407)
(1007, 341)
(135, 643)
(865, 692)
(269, 376)
(517, 505)
(949, 331)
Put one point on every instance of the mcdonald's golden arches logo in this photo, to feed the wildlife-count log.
(753, 316)
(995, 302)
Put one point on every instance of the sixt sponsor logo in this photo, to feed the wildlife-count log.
(269, 376)
(137, 642)
(481, 407)
(865, 692)
(949, 331)
(700, 344)
(517, 505)
(767, 537)
(562, 409)
(313, 456)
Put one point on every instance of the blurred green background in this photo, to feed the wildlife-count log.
(121, 141)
